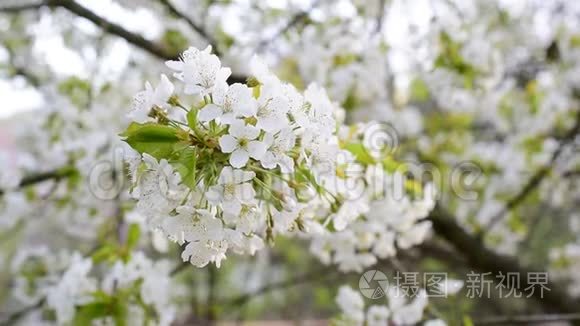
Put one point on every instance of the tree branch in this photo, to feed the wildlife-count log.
(380, 16)
(177, 13)
(22, 7)
(41, 177)
(114, 29)
(527, 319)
(13, 318)
(299, 17)
(106, 25)
(317, 275)
(484, 259)
(537, 178)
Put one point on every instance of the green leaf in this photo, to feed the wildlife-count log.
(419, 90)
(351, 102)
(575, 41)
(87, 313)
(107, 252)
(192, 119)
(174, 41)
(467, 321)
(516, 223)
(450, 58)
(391, 165)
(78, 90)
(186, 165)
(133, 236)
(448, 122)
(151, 138)
(534, 96)
(360, 152)
(120, 313)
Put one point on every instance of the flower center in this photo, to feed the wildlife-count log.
(263, 111)
(228, 107)
(229, 189)
(243, 142)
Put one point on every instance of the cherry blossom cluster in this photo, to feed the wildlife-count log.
(399, 310)
(72, 286)
(247, 162)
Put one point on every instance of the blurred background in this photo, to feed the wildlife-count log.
(495, 84)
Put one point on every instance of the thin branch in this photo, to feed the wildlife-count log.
(117, 30)
(22, 7)
(527, 319)
(102, 22)
(179, 268)
(24, 73)
(41, 177)
(14, 317)
(380, 16)
(299, 17)
(20, 71)
(114, 29)
(483, 259)
(199, 29)
(537, 178)
(318, 275)
(571, 173)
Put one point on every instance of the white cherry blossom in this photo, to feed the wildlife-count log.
(242, 143)
(151, 97)
(201, 71)
(232, 190)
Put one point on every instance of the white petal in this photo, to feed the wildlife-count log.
(241, 176)
(163, 91)
(226, 175)
(272, 123)
(228, 119)
(175, 65)
(279, 105)
(286, 164)
(228, 143)
(250, 132)
(268, 139)
(192, 89)
(209, 112)
(245, 192)
(232, 207)
(214, 228)
(214, 194)
(268, 160)
(237, 128)
(257, 149)
(239, 158)
(247, 176)
(223, 74)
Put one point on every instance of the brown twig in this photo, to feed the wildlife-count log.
(299, 17)
(22, 7)
(114, 29)
(537, 178)
(14, 317)
(199, 29)
(317, 275)
(527, 319)
(41, 177)
(483, 259)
